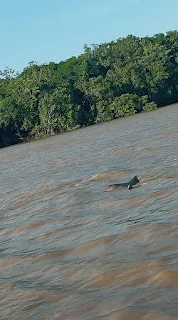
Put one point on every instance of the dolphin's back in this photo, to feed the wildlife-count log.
(128, 185)
(133, 181)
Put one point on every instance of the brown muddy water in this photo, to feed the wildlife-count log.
(71, 250)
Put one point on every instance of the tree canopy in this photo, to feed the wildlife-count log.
(107, 81)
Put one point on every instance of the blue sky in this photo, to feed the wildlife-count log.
(55, 30)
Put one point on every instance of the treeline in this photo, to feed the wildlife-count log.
(107, 81)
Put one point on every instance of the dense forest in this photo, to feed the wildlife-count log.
(107, 81)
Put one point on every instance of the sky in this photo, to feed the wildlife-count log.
(53, 30)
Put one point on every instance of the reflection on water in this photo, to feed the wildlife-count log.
(70, 249)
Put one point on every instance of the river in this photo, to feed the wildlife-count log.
(71, 250)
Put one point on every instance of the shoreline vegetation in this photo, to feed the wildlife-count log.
(106, 82)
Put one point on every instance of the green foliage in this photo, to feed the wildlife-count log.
(107, 81)
(149, 106)
(126, 104)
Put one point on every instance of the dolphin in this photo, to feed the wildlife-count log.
(129, 185)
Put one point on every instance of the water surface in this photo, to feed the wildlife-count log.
(71, 250)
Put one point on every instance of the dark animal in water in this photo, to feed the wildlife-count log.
(129, 185)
